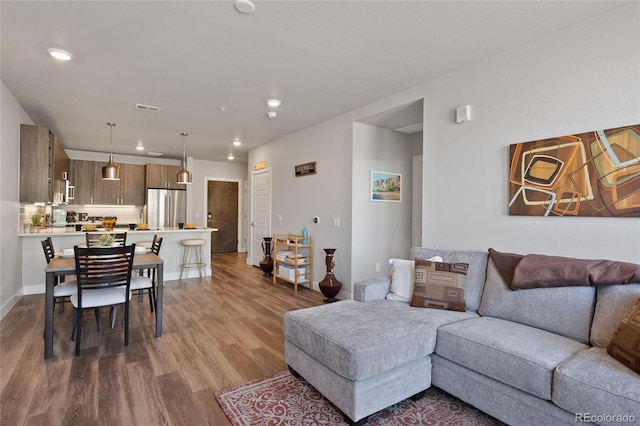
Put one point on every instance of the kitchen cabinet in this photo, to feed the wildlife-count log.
(43, 163)
(162, 176)
(83, 176)
(92, 189)
(132, 187)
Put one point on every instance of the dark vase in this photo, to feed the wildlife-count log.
(267, 263)
(330, 286)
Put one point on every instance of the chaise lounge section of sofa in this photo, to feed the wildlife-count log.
(535, 356)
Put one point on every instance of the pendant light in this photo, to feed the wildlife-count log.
(111, 171)
(184, 175)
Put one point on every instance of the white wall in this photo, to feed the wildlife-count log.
(381, 230)
(583, 78)
(11, 116)
(327, 194)
(577, 80)
(203, 171)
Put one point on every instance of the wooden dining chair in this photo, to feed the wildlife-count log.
(103, 279)
(61, 290)
(146, 284)
(93, 239)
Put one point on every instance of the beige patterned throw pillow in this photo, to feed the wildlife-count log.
(439, 285)
(625, 344)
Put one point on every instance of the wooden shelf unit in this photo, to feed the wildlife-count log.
(295, 244)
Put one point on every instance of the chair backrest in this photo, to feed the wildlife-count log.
(47, 246)
(93, 239)
(103, 267)
(121, 238)
(155, 245)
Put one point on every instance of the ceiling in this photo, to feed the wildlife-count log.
(190, 58)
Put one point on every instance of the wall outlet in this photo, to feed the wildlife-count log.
(377, 267)
(279, 218)
(336, 222)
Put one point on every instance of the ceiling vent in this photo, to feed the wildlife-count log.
(142, 107)
(154, 154)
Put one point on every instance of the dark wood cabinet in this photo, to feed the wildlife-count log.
(42, 164)
(92, 189)
(132, 184)
(163, 176)
(83, 177)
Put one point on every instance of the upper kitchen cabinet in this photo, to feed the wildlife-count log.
(163, 176)
(83, 176)
(92, 189)
(132, 187)
(43, 165)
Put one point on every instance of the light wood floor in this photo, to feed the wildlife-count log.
(217, 333)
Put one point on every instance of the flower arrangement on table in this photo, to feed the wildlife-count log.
(106, 240)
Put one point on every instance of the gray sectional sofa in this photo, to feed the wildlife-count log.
(535, 357)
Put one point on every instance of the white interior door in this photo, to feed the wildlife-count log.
(260, 213)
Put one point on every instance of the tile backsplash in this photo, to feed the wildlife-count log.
(125, 214)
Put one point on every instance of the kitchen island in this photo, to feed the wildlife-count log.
(34, 263)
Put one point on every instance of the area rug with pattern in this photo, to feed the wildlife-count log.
(283, 399)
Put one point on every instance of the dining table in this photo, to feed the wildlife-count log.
(62, 265)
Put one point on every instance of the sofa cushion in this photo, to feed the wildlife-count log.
(613, 303)
(402, 272)
(402, 277)
(563, 310)
(439, 285)
(517, 355)
(476, 273)
(625, 344)
(373, 337)
(593, 382)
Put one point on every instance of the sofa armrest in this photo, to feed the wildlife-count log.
(371, 289)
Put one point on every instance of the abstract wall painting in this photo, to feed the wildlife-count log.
(593, 174)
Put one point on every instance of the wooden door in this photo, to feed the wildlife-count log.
(222, 213)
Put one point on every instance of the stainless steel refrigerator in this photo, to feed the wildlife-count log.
(166, 207)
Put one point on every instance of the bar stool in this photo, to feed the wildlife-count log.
(192, 249)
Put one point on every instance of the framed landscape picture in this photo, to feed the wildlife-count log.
(386, 187)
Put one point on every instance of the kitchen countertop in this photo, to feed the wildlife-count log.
(62, 230)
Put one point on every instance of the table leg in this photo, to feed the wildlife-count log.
(48, 316)
(159, 300)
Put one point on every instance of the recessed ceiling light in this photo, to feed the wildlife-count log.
(272, 114)
(230, 157)
(244, 6)
(140, 148)
(60, 54)
(237, 142)
(223, 108)
(274, 103)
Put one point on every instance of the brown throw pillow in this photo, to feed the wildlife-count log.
(505, 264)
(625, 344)
(439, 285)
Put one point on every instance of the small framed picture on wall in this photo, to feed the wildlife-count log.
(386, 187)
